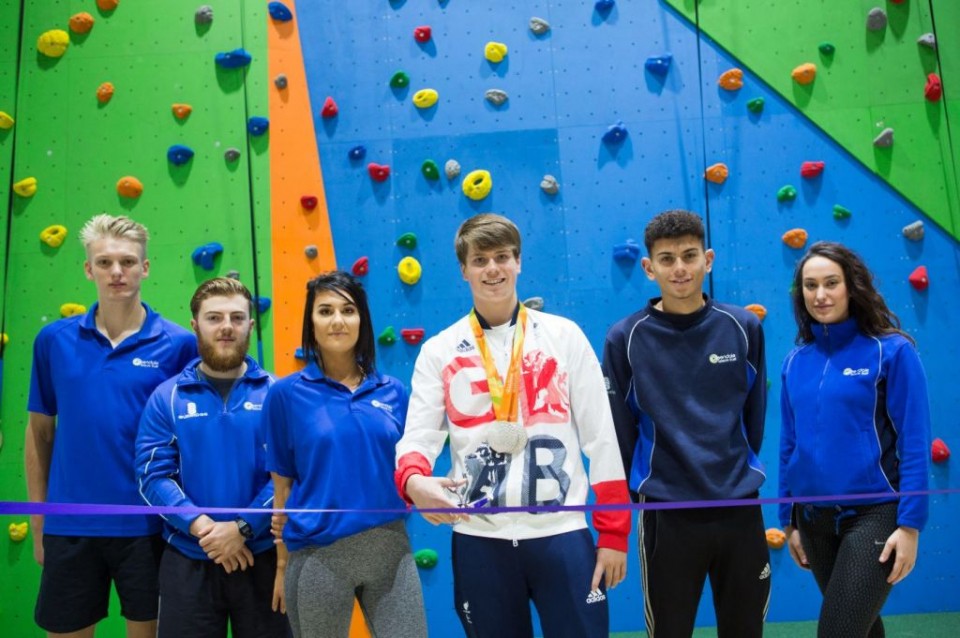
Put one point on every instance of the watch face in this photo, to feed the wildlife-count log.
(245, 530)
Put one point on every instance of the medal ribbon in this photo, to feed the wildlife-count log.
(505, 395)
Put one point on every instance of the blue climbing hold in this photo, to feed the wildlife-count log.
(357, 153)
(204, 255)
(602, 6)
(615, 134)
(627, 251)
(258, 125)
(178, 154)
(298, 354)
(658, 64)
(233, 59)
(279, 12)
(263, 304)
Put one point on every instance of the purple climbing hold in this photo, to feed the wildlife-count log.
(233, 59)
(178, 154)
(258, 125)
(615, 134)
(280, 12)
(204, 255)
(659, 64)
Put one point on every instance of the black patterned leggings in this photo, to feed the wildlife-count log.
(843, 545)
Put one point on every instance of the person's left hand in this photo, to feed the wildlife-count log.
(611, 566)
(903, 542)
(224, 544)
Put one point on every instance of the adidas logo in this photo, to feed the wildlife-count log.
(464, 346)
(596, 596)
(765, 574)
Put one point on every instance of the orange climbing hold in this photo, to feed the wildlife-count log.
(805, 73)
(130, 186)
(795, 238)
(717, 173)
(758, 310)
(81, 22)
(776, 539)
(181, 111)
(731, 80)
(104, 92)
(107, 5)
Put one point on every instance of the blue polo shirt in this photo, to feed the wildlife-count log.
(97, 393)
(338, 447)
(195, 449)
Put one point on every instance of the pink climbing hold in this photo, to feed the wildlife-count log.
(939, 451)
(933, 90)
(360, 267)
(919, 279)
(422, 34)
(811, 169)
(330, 108)
(378, 172)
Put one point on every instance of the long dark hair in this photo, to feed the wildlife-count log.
(867, 306)
(347, 286)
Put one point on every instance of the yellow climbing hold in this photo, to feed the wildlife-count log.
(477, 184)
(18, 531)
(805, 73)
(4, 339)
(495, 52)
(425, 98)
(26, 187)
(53, 235)
(409, 270)
(72, 309)
(53, 43)
(6, 121)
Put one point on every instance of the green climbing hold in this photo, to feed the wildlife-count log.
(388, 337)
(426, 558)
(407, 240)
(430, 170)
(786, 193)
(755, 105)
(827, 49)
(839, 212)
(400, 80)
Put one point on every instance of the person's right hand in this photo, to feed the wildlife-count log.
(795, 547)
(277, 523)
(429, 492)
(36, 526)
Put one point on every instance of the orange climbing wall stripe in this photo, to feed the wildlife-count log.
(294, 172)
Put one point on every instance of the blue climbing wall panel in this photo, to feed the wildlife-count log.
(565, 88)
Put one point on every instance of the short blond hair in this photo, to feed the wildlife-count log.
(486, 231)
(115, 227)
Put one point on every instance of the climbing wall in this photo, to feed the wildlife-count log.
(565, 89)
(77, 148)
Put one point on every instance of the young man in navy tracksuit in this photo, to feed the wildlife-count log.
(687, 385)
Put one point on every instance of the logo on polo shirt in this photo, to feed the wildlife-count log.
(256, 407)
(723, 358)
(382, 406)
(859, 372)
(191, 412)
(144, 363)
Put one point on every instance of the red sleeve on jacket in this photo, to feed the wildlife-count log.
(408, 465)
(613, 526)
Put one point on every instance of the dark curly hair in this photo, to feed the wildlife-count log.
(348, 287)
(673, 224)
(867, 306)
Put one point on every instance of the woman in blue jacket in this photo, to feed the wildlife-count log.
(856, 421)
(331, 430)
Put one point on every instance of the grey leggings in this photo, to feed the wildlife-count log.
(376, 567)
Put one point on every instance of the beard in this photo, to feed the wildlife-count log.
(223, 361)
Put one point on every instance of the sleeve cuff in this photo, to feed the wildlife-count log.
(408, 465)
(610, 540)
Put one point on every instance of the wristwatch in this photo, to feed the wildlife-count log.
(245, 530)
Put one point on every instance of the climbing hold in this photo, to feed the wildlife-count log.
(263, 304)
(412, 336)
(827, 49)
(885, 139)
(933, 90)
(495, 52)
(426, 558)
(452, 169)
(758, 310)
(627, 251)
(409, 270)
(206, 254)
(309, 202)
(203, 14)
(939, 451)
(178, 154)
(919, 279)
(181, 111)
(717, 173)
(330, 108)
(107, 5)
(81, 22)
(233, 274)
(360, 267)
(805, 73)
(876, 19)
(233, 59)
(776, 539)
(311, 251)
(357, 153)
(298, 355)
(755, 105)
(407, 240)
(18, 532)
(795, 238)
(388, 337)
(549, 185)
(378, 172)
(279, 12)
(104, 92)
(4, 339)
(53, 43)
(257, 125)
(603, 6)
(913, 231)
(615, 134)
(26, 187)
(6, 122)
(54, 235)
(928, 40)
(399, 80)
(840, 212)
(430, 170)
(231, 154)
(810, 170)
(129, 186)
(659, 64)
(477, 184)
(72, 309)
(497, 97)
(786, 193)
(280, 81)
(422, 34)
(425, 98)
(534, 303)
(731, 80)
(539, 26)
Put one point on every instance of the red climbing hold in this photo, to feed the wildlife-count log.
(919, 279)
(811, 169)
(422, 34)
(413, 336)
(939, 451)
(360, 267)
(309, 202)
(330, 108)
(933, 91)
(378, 172)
